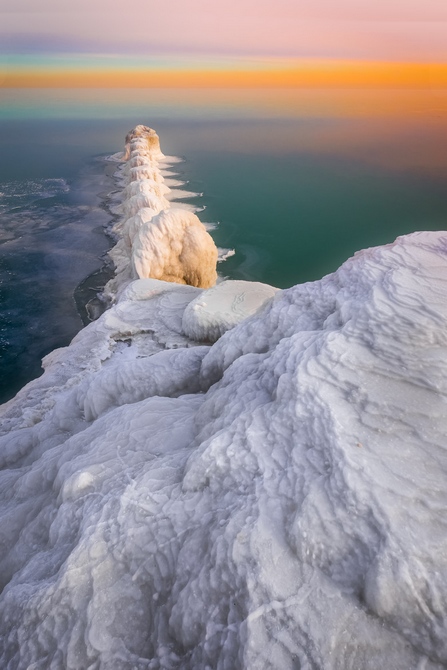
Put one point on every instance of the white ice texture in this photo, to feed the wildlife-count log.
(274, 500)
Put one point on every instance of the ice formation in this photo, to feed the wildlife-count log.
(213, 312)
(274, 500)
(155, 239)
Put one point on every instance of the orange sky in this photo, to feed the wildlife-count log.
(296, 74)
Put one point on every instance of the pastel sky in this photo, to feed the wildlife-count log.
(404, 30)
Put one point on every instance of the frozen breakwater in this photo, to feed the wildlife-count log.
(229, 476)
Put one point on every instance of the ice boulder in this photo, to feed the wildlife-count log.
(220, 308)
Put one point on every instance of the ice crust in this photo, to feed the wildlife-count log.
(274, 500)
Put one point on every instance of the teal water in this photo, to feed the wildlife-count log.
(293, 195)
(296, 218)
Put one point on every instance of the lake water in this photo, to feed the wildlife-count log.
(296, 183)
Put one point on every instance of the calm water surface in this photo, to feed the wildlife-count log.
(294, 193)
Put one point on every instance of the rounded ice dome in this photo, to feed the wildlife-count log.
(222, 307)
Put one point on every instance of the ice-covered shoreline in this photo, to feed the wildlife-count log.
(273, 500)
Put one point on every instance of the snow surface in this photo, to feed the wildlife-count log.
(274, 500)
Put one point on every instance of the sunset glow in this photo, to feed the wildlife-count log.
(295, 74)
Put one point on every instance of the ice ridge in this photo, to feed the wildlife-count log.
(275, 500)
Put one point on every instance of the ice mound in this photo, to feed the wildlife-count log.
(154, 240)
(220, 308)
(148, 185)
(143, 140)
(132, 205)
(172, 373)
(274, 500)
(175, 246)
(143, 172)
